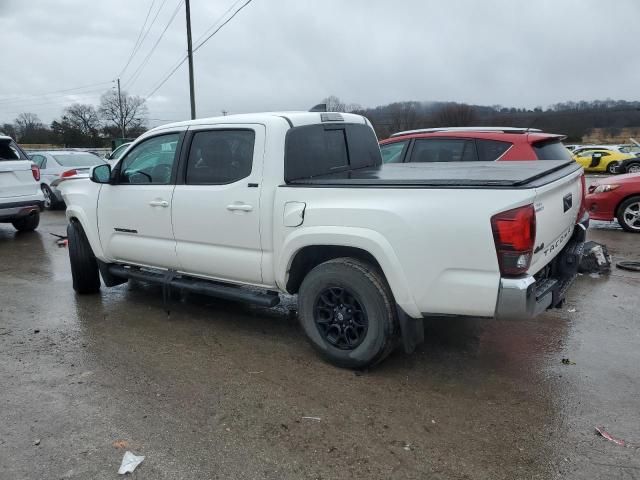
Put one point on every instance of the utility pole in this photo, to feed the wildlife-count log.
(190, 55)
(121, 114)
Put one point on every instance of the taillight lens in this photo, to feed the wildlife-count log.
(35, 171)
(583, 204)
(68, 173)
(514, 233)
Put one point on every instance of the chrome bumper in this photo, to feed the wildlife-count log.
(526, 297)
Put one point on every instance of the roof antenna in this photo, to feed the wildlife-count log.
(321, 107)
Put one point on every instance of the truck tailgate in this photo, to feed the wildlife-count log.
(16, 179)
(557, 206)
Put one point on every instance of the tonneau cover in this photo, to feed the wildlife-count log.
(520, 174)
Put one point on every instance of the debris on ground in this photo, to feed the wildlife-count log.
(37, 442)
(407, 447)
(571, 310)
(595, 259)
(62, 240)
(37, 330)
(566, 361)
(130, 462)
(603, 433)
(317, 419)
(120, 444)
(629, 266)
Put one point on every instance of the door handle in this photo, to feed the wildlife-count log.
(243, 207)
(159, 203)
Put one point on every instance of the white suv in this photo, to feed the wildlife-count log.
(20, 196)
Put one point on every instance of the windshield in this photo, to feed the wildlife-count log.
(551, 150)
(78, 160)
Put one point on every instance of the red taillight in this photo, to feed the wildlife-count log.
(68, 173)
(35, 171)
(583, 204)
(514, 233)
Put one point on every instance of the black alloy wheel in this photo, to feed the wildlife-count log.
(340, 318)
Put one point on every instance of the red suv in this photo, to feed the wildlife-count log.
(473, 144)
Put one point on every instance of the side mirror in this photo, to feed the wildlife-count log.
(101, 173)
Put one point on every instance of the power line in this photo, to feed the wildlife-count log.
(219, 19)
(144, 62)
(137, 44)
(146, 33)
(184, 59)
(34, 96)
(220, 27)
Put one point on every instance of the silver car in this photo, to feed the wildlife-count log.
(55, 165)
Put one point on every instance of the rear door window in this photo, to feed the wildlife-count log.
(218, 157)
(552, 150)
(443, 150)
(491, 150)
(393, 152)
(40, 161)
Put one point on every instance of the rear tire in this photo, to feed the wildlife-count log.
(28, 223)
(84, 267)
(348, 313)
(50, 202)
(629, 214)
(633, 167)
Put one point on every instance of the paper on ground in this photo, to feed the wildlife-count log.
(130, 462)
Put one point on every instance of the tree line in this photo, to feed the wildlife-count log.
(84, 125)
(574, 119)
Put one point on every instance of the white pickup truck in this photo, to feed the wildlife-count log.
(245, 207)
(20, 196)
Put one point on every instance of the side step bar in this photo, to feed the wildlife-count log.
(196, 285)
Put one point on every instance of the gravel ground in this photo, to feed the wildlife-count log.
(219, 390)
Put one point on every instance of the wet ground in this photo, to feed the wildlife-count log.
(221, 390)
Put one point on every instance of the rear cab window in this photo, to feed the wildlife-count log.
(322, 149)
(551, 150)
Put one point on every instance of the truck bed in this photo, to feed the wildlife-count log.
(493, 175)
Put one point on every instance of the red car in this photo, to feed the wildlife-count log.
(616, 197)
(473, 144)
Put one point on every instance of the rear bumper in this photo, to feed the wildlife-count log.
(528, 297)
(14, 210)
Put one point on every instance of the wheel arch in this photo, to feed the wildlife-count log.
(616, 211)
(78, 216)
(307, 248)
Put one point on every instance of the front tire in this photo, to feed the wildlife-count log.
(348, 313)
(84, 267)
(629, 214)
(28, 223)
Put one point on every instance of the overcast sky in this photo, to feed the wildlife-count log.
(289, 54)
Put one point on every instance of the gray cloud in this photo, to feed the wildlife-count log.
(289, 54)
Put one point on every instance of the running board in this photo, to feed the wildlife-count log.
(196, 285)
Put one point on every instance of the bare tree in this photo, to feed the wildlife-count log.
(456, 115)
(334, 104)
(131, 117)
(27, 124)
(83, 117)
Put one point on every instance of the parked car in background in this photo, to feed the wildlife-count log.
(55, 165)
(616, 198)
(619, 148)
(20, 197)
(117, 153)
(601, 159)
(631, 165)
(473, 144)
